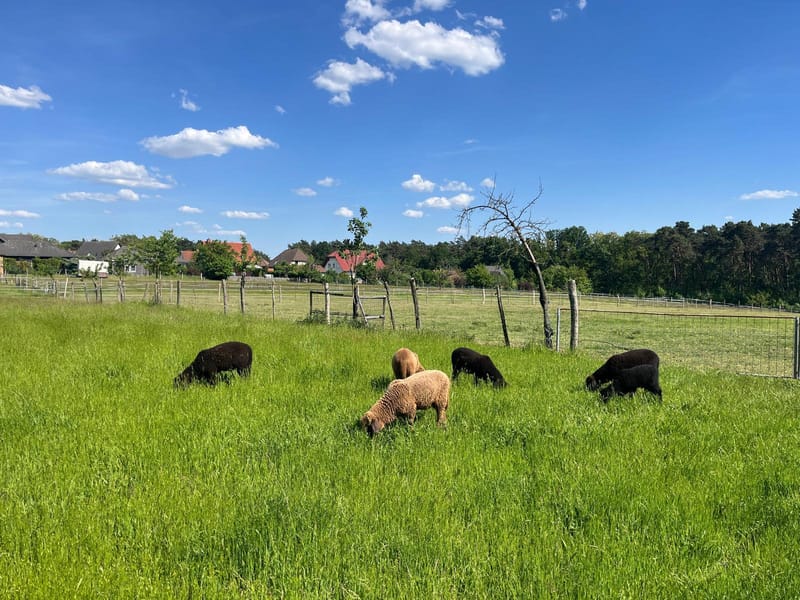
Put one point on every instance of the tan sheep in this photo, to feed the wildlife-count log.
(404, 397)
(405, 363)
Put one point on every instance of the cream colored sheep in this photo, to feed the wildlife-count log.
(405, 363)
(404, 397)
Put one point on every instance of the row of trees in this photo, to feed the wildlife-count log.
(739, 262)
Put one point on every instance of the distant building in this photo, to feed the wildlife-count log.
(292, 256)
(23, 247)
(95, 256)
(335, 262)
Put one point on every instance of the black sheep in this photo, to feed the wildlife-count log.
(617, 363)
(628, 381)
(466, 360)
(209, 363)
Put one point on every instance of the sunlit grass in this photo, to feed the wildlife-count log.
(115, 484)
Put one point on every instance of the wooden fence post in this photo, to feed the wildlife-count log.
(224, 286)
(178, 293)
(327, 295)
(502, 315)
(389, 302)
(416, 303)
(574, 315)
(241, 293)
(273, 299)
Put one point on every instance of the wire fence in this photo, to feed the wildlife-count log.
(695, 333)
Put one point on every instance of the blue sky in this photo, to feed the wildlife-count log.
(278, 120)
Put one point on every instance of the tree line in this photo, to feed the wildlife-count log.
(738, 262)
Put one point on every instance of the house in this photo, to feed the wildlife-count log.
(185, 258)
(338, 264)
(292, 256)
(23, 247)
(95, 256)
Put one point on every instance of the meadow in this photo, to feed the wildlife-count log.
(114, 484)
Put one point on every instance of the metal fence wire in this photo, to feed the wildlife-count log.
(746, 344)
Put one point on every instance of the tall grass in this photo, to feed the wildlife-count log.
(113, 484)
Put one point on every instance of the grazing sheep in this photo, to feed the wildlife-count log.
(628, 381)
(405, 363)
(466, 360)
(617, 363)
(404, 397)
(209, 363)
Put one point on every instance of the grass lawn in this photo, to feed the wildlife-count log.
(114, 484)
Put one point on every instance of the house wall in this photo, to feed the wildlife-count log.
(97, 266)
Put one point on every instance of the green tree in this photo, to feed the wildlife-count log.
(158, 254)
(478, 276)
(215, 260)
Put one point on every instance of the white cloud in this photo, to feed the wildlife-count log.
(31, 97)
(22, 214)
(327, 182)
(490, 23)
(190, 210)
(305, 191)
(418, 184)
(488, 182)
(412, 43)
(448, 230)
(557, 15)
(280, 110)
(192, 142)
(343, 212)
(117, 172)
(129, 195)
(455, 186)
(217, 230)
(340, 77)
(582, 4)
(769, 195)
(186, 103)
(10, 225)
(123, 194)
(457, 201)
(413, 214)
(364, 10)
(430, 5)
(242, 214)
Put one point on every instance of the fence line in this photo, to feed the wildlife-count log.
(707, 336)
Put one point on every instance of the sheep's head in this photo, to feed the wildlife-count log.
(184, 379)
(591, 383)
(371, 423)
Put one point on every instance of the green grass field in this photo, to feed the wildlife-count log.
(113, 484)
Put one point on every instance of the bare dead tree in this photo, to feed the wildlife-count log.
(504, 218)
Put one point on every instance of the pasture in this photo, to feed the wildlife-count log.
(114, 484)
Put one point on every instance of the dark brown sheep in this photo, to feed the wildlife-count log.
(466, 360)
(405, 363)
(211, 362)
(616, 363)
(628, 381)
(404, 397)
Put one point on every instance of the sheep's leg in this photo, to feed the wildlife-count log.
(441, 416)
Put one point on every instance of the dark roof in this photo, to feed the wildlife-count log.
(95, 249)
(28, 246)
(292, 255)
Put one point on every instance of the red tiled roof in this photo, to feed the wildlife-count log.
(344, 264)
